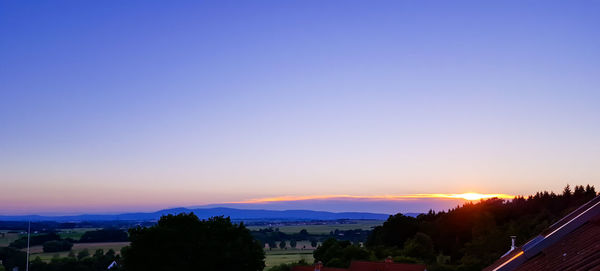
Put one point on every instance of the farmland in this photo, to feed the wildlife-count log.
(324, 228)
(279, 256)
(274, 256)
(77, 247)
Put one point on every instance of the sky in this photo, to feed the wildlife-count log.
(110, 106)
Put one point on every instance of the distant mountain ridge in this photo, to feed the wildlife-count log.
(235, 214)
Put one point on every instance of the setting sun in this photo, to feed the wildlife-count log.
(477, 196)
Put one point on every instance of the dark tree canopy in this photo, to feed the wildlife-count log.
(334, 253)
(36, 240)
(475, 234)
(98, 262)
(104, 235)
(394, 232)
(184, 242)
(11, 258)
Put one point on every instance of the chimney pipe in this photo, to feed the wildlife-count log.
(513, 238)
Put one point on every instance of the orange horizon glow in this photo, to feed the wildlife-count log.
(465, 196)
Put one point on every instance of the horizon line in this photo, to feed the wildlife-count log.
(469, 196)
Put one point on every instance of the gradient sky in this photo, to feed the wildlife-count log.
(139, 105)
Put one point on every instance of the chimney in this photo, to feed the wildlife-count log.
(318, 266)
(512, 246)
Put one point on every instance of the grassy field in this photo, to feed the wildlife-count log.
(279, 256)
(276, 256)
(325, 229)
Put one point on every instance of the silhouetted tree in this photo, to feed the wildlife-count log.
(567, 191)
(184, 242)
(272, 244)
(303, 235)
(394, 232)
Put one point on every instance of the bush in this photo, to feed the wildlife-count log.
(288, 266)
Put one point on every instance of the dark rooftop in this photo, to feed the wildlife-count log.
(572, 243)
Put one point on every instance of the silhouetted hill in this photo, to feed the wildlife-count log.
(235, 214)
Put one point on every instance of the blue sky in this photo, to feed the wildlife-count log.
(139, 105)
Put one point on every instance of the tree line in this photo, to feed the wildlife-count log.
(275, 238)
(468, 237)
(52, 241)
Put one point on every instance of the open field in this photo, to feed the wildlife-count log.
(279, 256)
(324, 229)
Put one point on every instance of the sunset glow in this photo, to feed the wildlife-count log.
(289, 104)
(465, 196)
(477, 196)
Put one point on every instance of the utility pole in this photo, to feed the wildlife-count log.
(28, 237)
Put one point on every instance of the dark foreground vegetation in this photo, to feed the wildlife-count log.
(83, 261)
(465, 238)
(184, 242)
(469, 237)
(52, 241)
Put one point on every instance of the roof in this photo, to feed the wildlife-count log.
(368, 266)
(312, 268)
(572, 243)
(381, 266)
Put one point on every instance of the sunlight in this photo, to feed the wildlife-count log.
(477, 196)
